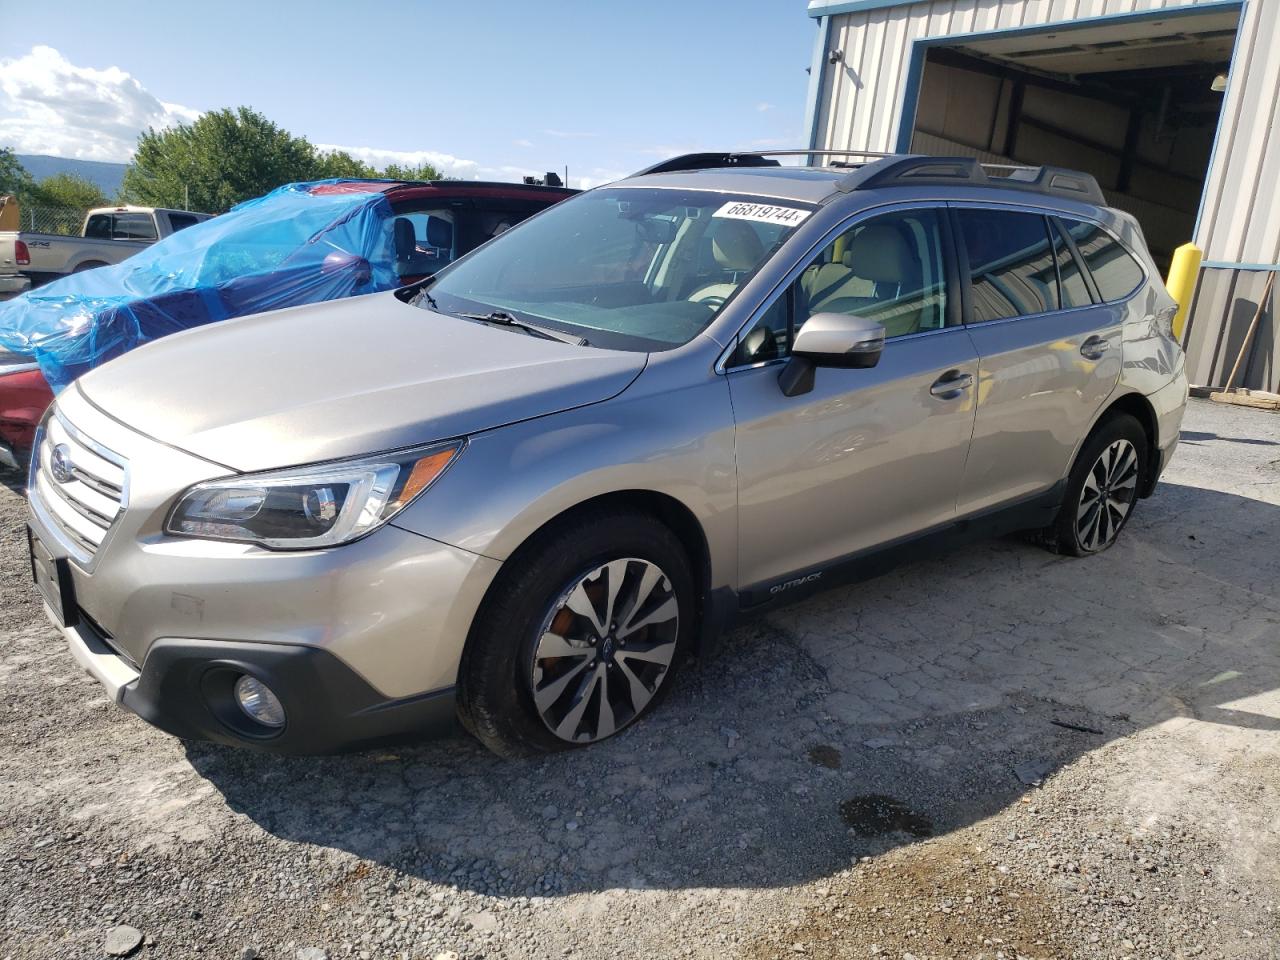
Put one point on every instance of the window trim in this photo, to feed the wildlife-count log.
(1094, 289)
(1086, 274)
(966, 275)
(1055, 215)
(949, 253)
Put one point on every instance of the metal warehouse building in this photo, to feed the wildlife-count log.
(1172, 104)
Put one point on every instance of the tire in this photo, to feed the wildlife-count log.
(1110, 468)
(89, 265)
(544, 668)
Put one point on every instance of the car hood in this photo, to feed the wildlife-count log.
(345, 378)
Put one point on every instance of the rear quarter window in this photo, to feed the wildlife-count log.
(1115, 271)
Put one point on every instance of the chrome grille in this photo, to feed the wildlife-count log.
(78, 487)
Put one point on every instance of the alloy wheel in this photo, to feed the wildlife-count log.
(604, 648)
(1108, 494)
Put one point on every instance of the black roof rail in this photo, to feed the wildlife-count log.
(904, 170)
(746, 158)
(707, 161)
(919, 170)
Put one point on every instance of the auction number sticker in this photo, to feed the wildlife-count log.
(762, 213)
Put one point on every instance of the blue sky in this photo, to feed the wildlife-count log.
(490, 88)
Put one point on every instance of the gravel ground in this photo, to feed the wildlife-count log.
(999, 754)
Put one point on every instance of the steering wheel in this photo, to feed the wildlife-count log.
(714, 301)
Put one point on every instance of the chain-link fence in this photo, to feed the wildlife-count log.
(61, 220)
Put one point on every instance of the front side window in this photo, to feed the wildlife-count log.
(422, 241)
(888, 268)
(1011, 265)
(1116, 273)
(628, 268)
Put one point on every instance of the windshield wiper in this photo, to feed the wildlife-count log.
(422, 294)
(503, 319)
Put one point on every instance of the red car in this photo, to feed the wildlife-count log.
(431, 225)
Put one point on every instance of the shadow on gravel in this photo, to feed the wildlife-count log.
(839, 727)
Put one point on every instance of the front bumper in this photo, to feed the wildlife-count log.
(185, 688)
(359, 642)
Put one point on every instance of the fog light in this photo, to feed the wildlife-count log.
(258, 702)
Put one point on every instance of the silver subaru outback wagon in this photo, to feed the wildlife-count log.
(520, 492)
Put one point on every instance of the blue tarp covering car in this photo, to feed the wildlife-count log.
(301, 243)
(298, 244)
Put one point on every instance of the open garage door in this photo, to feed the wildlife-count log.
(1135, 104)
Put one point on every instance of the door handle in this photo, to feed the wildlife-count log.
(1094, 348)
(951, 384)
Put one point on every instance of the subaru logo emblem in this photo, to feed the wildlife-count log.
(60, 464)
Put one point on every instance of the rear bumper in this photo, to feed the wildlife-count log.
(185, 688)
(14, 283)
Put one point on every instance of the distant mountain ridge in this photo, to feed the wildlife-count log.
(107, 176)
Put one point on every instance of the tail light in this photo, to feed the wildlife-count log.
(21, 254)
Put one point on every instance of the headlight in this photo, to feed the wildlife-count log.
(307, 507)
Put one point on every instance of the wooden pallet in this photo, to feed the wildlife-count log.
(1261, 399)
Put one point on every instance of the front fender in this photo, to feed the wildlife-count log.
(659, 436)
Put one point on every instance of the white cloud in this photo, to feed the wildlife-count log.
(446, 163)
(522, 143)
(764, 107)
(596, 176)
(49, 105)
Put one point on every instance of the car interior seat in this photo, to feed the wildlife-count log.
(410, 261)
(736, 249)
(870, 278)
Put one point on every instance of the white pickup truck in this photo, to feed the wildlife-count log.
(109, 235)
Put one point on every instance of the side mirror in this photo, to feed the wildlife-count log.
(830, 340)
(347, 263)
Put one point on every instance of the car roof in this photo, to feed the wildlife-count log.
(758, 174)
(805, 184)
(412, 189)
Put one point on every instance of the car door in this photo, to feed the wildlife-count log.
(868, 455)
(1049, 353)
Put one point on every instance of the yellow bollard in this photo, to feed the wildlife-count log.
(1183, 271)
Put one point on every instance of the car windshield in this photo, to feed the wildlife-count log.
(624, 267)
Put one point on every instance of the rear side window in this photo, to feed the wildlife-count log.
(1115, 271)
(134, 226)
(1075, 292)
(1011, 264)
(98, 227)
(180, 221)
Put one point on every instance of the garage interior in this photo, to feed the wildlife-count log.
(1136, 104)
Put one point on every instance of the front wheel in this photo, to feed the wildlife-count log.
(1102, 489)
(579, 637)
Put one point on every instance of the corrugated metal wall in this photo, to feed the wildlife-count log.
(860, 103)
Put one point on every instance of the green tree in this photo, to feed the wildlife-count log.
(338, 164)
(423, 171)
(67, 190)
(224, 157)
(14, 179)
